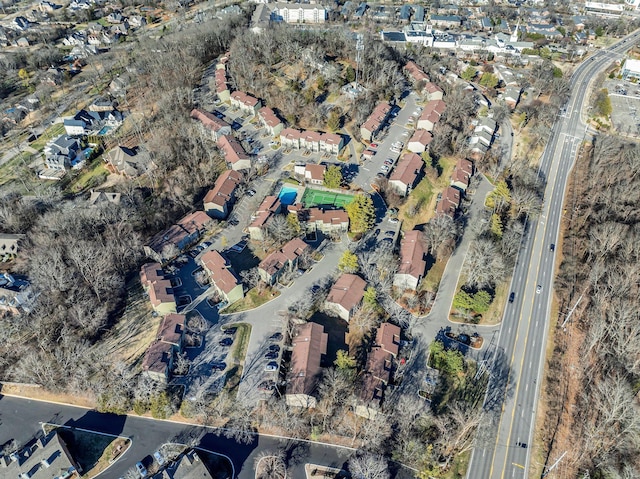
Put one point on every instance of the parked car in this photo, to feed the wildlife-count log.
(388, 161)
(141, 469)
(373, 146)
(393, 220)
(251, 192)
(234, 222)
(230, 331)
(275, 348)
(226, 342)
(271, 355)
(267, 385)
(277, 336)
(384, 168)
(159, 458)
(271, 366)
(219, 366)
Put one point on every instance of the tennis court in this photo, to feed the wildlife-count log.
(313, 198)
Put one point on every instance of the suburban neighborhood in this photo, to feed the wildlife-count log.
(360, 240)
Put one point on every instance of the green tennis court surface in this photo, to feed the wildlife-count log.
(313, 198)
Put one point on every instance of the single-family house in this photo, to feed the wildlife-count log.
(431, 114)
(168, 243)
(449, 202)
(48, 457)
(101, 198)
(412, 261)
(511, 96)
(245, 102)
(9, 245)
(212, 123)
(189, 466)
(222, 277)
(219, 200)
(234, 154)
(158, 288)
(375, 122)
(63, 153)
(269, 207)
(102, 104)
(308, 346)
(345, 295)
(462, 174)
(310, 173)
(380, 367)
(130, 162)
(284, 259)
(406, 173)
(419, 141)
(270, 121)
(16, 294)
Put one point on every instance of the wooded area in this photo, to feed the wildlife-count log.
(593, 375)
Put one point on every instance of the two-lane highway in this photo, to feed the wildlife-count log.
(503, 450)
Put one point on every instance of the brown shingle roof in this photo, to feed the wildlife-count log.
(408, 169)
(219, 271)
(449, 202)
(223, 190)
(416, 72)
(208, 120)
(328, 217)
(377, 117)
(157, 357)
(171, 329)
(309, 344)
(153, 279)
(348, 291)
(421, 136)
(232, 149)
(193, 222)
(388, 338)
(269, 206)
(244, 98)
(412, 253)
(278, 259)
(269, 117)
(433, 110)
(462, 172)
(316, 172)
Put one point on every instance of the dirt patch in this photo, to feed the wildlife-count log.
(44, 395)
(136, 330)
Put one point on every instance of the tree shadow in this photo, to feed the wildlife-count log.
(237, 452)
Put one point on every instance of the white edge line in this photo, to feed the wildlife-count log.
(95, 432)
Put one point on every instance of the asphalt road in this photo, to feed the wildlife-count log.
(518, 363)
(21, 419)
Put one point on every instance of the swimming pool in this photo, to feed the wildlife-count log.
(105, 130)
(288, 195)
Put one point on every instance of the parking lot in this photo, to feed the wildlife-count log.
(389, 147)
(625, 103)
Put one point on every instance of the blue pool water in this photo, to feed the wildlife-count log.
(104, 130)
(287, 195)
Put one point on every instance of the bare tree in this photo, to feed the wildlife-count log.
(369, 466)
(270, 465)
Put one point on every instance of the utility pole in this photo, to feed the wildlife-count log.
(572, 310)
(555, 464)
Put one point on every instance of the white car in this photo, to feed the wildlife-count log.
(141, 469)
(538, 289)
(159, 458)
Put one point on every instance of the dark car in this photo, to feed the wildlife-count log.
(219, 366)
(522, 444)
(276, 337)
(230, 331)
(464, 338)
(512, 296)
(226, 342)
(552, 247)
(271, 355)
(274, 348)
(267, 386)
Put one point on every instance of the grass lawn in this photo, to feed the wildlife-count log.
(92, 451)
(241, 341)
(9, 169)
(50, 133)
(252, 300)
(496, 309)
(459, 465)
(432, 279)
(425, 195)
(95, 174)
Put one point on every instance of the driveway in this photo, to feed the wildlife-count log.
(266, 320)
